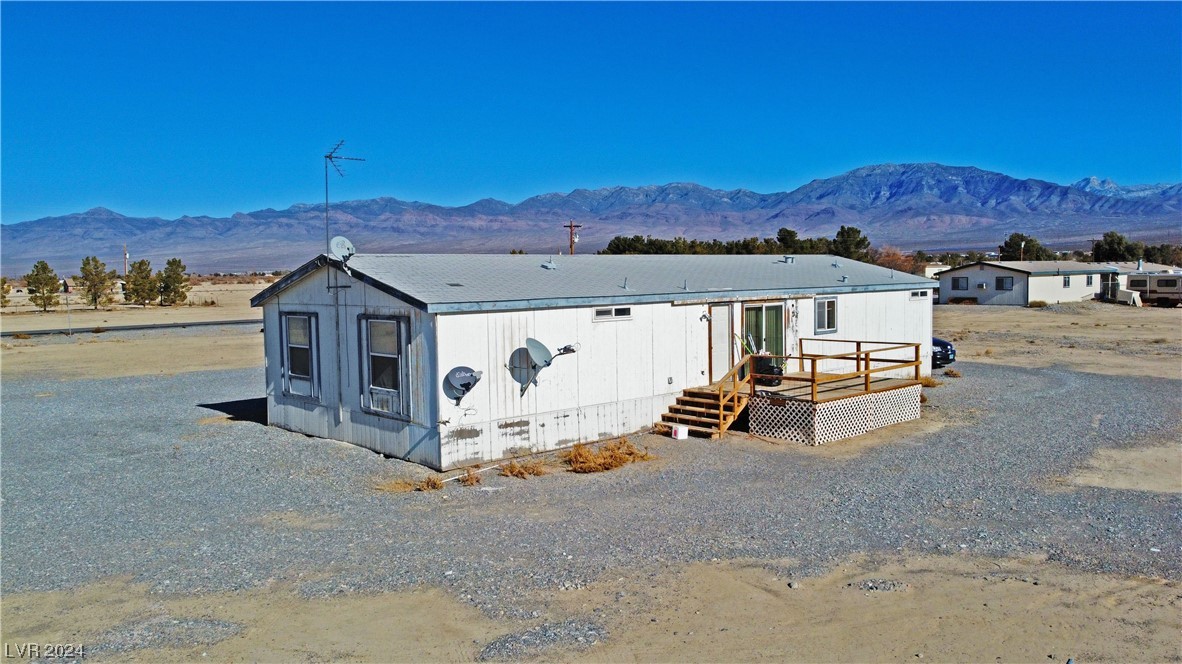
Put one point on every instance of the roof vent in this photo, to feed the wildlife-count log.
(790, 259)
(844, 278)
(550, 264)
(836, 264)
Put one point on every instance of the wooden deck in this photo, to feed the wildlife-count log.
(797, 385)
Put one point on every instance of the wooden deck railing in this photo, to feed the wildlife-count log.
(730, 391)
(865, 355)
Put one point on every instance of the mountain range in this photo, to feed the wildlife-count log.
(909, 206)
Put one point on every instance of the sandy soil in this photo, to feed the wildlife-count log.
(953, 608)
(956, 608)
(206, 302)
(1093, 337)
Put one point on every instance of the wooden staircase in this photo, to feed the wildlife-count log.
(709, 411)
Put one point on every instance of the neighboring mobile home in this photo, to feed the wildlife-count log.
(435, 358)
(1022, 282)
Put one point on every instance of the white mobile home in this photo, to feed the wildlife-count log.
(1022, 282)
(435, 358)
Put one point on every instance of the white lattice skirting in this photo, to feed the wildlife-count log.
(818, 423)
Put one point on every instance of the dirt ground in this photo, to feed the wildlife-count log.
(1087, 336)
(957, 608)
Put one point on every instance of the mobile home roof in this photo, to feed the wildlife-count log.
(478, 282)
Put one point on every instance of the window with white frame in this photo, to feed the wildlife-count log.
(960, 283)
(919, 295)
(1004, 283)
(300, 361)
(1089, 283)
(1066, 281)
(826, 322)
(384, 344)
(612, 313)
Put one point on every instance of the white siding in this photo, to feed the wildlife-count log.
(337, 414)
(623, 376)
(890, 316)
(1050, 288)
(983, 285)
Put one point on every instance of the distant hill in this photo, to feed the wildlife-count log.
(911, 206)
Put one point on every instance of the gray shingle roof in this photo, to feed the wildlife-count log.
(471, 282)
(1041, 268)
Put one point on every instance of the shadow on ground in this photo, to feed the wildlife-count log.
(242, 410)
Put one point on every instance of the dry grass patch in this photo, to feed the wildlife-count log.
(952, 373)
(1037, 304)
(470, 477)
(988, 352)
(402, 485)
(928, 381)
(662, 429)
(619, 452)
(524, 469)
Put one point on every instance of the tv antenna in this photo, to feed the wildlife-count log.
(331, 157)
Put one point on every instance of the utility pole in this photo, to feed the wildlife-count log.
(574, 237)
(125, 261)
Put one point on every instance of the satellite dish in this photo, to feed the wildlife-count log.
(459, 382)
(341, 248)
(541, 356)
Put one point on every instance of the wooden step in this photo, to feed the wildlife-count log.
(699, 432)
(678, 418)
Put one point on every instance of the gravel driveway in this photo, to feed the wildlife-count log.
(134, 476)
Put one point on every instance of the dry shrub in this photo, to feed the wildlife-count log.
(952, 373)
(923, 398)
(988, 352)
(470, 478)
(98, 330)
(524, 469)
(393, 486)
(620, 452)
(1037, 304)
(662, 429)
(400, 485)
(928, 381)
(21, 335)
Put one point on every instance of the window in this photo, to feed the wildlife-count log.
(1004, 283)
(826, 315)
(960, 283)
(764, 325)
(613, 313)
(1066, 281)
(1167, 283)
(299, 362)
(383, 347)
(1089, 280)
(919, 294)
(1138, 283)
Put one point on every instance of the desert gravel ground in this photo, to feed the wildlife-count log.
(147, 479)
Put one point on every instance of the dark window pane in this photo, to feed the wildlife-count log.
(383, 372)
(299, 361)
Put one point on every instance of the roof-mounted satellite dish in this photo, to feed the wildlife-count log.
(341, 248)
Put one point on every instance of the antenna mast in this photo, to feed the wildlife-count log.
(331, 157)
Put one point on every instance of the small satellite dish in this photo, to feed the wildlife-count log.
(541, 356)
(459, 382)
(341, 248)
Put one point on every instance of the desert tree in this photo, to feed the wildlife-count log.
(5, 289)
(96, 281)
(1114, 247)
(43, 284)
(1019, 247)
(890, 257)
(174, 284)
(1166, 254)
(850, 243)
(142, 285)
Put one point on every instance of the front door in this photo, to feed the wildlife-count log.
(722, 356)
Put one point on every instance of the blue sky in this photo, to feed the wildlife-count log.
(173, 109)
